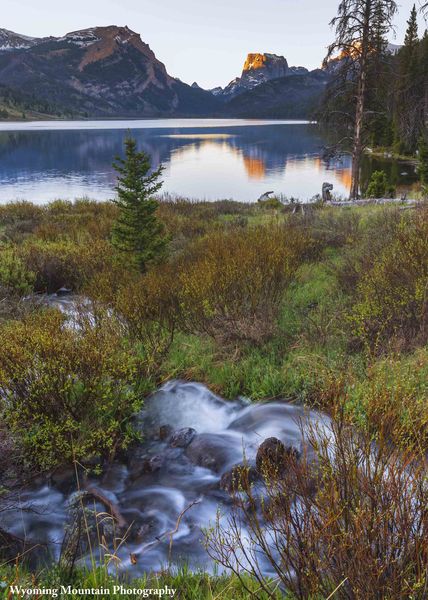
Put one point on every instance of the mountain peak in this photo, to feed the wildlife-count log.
(100, 71)
(258, 68)
(102, 42)
(9, 40)
(274, 65)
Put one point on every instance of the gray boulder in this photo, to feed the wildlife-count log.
(183, 437)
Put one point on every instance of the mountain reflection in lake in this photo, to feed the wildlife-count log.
(203, 159)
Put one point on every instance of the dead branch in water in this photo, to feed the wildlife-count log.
(112, 508)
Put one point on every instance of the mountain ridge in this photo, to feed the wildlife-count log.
(99, 72)
(110, 72)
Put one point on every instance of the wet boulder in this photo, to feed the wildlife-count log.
(183, 437)
(153, 464)
(273, 456)
(214, 451)
(136, 459)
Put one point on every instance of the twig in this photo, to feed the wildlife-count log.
(338, 588)
(172, 532)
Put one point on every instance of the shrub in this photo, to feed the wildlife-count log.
(20, 219)
(64, 262)
(392, 398)
(66, 391)
(15, 278)
(14, 212)
(332, 227)
(392, 297)
(271, 204)
(375, 233)
(352, 523)
(231, 283)
(146, 305)
(79, 221)
(379, 187)
(423, 160)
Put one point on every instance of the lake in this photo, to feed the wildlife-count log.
(203, 158)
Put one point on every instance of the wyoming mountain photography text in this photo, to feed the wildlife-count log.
(214, 300)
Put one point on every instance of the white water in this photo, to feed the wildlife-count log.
(150, 503)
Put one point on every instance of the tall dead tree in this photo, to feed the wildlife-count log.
(360, 26)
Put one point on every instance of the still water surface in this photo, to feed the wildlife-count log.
(203, 158)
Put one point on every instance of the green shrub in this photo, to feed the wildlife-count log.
(379, 187)
(331, 227)
(20, 211)
(392, 399)
(20, 219)
(271, 204)
(64, 262)
(231, 283)
(147, 306)
(67, 392)
(423, 160)
(392, 296)
(15, 278)
(375, 233)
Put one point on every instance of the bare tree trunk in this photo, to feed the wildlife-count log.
(359, 113)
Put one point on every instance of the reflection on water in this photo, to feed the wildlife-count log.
(204, 159)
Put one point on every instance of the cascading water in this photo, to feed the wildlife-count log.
(162, 476)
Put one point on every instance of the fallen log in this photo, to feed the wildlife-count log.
(367, 201)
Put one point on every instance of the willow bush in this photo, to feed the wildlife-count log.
(64, 262)
(346, 520)
(67, 392)
(391, 302)
(15, 278)
(148, 309)
(231, 283)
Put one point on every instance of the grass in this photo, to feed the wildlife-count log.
(309, 333)
(187, 585)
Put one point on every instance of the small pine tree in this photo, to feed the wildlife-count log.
(408, 53)
(378, 186)
(411, 37)
(137, 231)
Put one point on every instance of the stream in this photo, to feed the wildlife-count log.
(191, 438)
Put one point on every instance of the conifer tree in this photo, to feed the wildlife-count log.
(423, 160)
(137, 231)
(410, 94)
(407, 97)
(360, 27)
(409, 53)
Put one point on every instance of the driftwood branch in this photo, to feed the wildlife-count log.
(408, 203)
(112, 508)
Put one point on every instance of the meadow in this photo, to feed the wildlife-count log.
(328, 308)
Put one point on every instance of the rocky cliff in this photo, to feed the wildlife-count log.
(100, 71)
(258, 69)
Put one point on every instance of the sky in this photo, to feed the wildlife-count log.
(199, 40)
